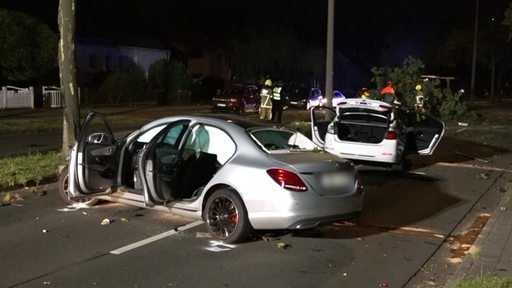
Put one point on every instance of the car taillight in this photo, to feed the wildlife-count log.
(287, 180)
(391, 135)
(385, 107)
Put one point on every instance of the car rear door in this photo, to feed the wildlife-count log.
(424, 133)
(321, 118)
(158, 162)
(93, 163)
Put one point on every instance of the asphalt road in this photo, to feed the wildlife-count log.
(407, 236)
(406, 223)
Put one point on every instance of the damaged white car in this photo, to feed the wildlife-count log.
(375, 133)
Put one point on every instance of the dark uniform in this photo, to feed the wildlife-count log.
(278, 100)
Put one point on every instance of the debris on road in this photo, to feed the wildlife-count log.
(471, 156)
(106, 221)
(283, 246)
(484, 175)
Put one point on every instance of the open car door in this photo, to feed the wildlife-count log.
(93, 166)
(424, 132)
(158, 163)
(321, 117)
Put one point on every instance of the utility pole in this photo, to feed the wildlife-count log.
(473, 66)
(329, 59)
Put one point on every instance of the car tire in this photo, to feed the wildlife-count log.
(402, 166)
(63, 185)
(226, 217)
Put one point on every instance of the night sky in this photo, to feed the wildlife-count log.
(362, 28)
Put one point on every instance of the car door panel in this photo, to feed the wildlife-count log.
(424, 133)
(159, 161)
(321, 117)
(93, 164)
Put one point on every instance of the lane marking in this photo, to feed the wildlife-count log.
(155, 238)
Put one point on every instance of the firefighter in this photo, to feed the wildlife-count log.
(364, 93)
(420, 101)
(266, 100)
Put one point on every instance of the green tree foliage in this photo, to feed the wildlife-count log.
(440, 101)
(166, 78)
(28, 48)
(168, 75)
(507, 22)
(125, 86)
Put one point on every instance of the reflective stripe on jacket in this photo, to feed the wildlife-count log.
(265, 96)
(276, 92)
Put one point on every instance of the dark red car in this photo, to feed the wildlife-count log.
(238, 98)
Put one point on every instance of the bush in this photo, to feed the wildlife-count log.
(125, 86)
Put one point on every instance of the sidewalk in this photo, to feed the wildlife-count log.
(491, 254)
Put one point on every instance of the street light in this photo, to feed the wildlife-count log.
(329, 56)
(473, 65)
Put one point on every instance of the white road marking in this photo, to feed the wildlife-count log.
(155, 238)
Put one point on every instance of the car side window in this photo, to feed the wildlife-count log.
(212, 140)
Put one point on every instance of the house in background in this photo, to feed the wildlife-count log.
(95, 56)
(210, 63)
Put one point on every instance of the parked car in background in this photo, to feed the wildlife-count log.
(374, 132)
(237, 176)
(238, 98)
(316, 98)
(298, 96)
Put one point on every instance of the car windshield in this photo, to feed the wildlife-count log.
(281, 141)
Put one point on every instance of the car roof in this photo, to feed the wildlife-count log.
(223, 120)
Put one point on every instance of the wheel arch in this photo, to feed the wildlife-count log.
(217, 187)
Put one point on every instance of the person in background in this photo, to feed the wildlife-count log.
(419, 105)
(388, 93)
(266, 100)
(278, 100)
(364, 93)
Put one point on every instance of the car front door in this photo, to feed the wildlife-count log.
(93, 166)
(424, 133)
(321, 117)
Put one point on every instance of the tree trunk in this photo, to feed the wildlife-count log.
(67, 73)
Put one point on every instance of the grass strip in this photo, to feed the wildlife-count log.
(29, 169)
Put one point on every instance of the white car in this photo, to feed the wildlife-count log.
(374, 132)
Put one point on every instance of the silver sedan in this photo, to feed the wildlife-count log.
(237, 176)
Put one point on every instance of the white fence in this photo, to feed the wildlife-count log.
(52, 97)
(15, 97)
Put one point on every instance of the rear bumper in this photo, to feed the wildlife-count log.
(303, 215)
(385, 152)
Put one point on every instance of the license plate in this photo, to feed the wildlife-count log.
(332, 180)
(221, 105)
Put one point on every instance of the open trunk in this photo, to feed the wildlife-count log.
(361, 132)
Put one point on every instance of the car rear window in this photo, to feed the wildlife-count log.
(274, 139)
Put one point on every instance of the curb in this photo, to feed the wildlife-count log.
(491, 254)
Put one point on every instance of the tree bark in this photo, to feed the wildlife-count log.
(67, 73)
